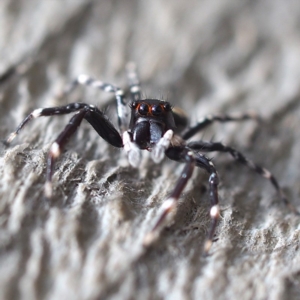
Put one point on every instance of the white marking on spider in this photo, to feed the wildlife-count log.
(210, 163)
(48, 189)
(135, 89)
(190, 153)
(207, 246)
(37, 112)
(169, 207)
(215, 211)
(150, 237)
(54, 150)
(168, 204)
(132, 150)
(158, 151)
(119, 93)
(97, 84)
(267, 174)
(122, 112)
(11, 137)
(108, 88)
(83, 78)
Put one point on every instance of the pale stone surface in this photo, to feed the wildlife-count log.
(205, 56)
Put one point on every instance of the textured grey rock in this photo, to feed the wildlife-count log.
(205, 56)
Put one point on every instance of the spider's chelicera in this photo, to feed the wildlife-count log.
(154, 126)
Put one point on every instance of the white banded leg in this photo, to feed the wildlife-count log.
(86, 80)
(44, 112)
(57, 146)
(239, 157)
(169, 207)
(133, 80)
(201, 124)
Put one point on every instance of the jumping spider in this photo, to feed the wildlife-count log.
(154, 126)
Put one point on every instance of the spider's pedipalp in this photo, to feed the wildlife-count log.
(132, 151)
(158, 151)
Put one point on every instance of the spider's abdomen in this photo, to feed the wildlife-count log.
(150, 119)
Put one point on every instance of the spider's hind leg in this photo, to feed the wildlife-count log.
(208, 120)
(239, 157)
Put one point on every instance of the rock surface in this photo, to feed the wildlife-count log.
(204, 56)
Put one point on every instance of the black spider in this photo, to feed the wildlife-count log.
(154, 126)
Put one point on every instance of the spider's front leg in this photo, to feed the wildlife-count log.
(57, 146)
(83, 111)
(100, 123)
(46, 112)
(169, 207)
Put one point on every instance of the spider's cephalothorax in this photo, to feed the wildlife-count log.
(150, 120)
(154, 126)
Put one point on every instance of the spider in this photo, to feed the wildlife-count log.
(154, 126)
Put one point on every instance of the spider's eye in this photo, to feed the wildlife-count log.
(143, 109)
(167, 107)
(156, 110)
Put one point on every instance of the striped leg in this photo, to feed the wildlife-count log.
(106, 87)
(94, 116)
(210, 147)
(216, 118)
(169, 207)
(205, 163)
(41, 112)
(100, 123)
(133, 80)
(57, 146)
(83, 111)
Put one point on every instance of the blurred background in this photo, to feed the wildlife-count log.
(217, 56)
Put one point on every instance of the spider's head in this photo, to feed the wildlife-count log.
(150, 119)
